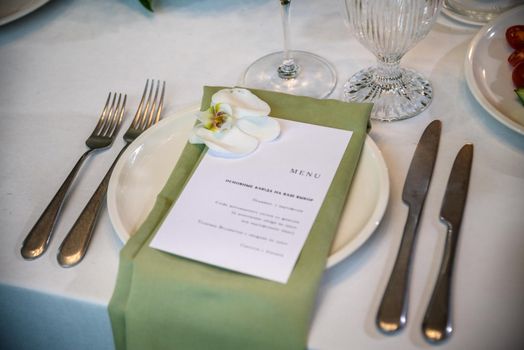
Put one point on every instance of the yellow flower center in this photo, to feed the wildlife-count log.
(219, 119)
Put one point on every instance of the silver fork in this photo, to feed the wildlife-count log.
(74, 247)
(37, 241)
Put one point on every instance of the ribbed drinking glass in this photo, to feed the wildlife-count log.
(389, 28)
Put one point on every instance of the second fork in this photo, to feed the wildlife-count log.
(73, 248)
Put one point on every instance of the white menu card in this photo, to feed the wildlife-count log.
(253, 214)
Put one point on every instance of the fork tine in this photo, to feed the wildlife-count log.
(136, 119)
(147, 109)
(153, 107)
(121, 113)
(160, 103)
(103, 116)
(110, 117)
(118, 116)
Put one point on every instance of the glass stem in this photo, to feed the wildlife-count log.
(288, 69)
(388, 72)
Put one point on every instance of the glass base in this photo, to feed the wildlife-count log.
(316, 77)
(393, 99)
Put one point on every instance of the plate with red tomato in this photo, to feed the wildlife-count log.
(494, 68)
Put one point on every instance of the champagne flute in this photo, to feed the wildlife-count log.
(389, 29)
(291, 71)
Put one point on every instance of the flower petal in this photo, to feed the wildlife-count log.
(231, 143)
(194, 138)
(206, 117)
(263, 128)
(243, 102)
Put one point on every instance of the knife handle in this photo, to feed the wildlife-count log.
(392, 312)
(436, 325)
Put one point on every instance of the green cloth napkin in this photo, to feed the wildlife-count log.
(162, 301)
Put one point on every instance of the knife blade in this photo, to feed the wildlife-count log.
(392, 312)
(436, 325)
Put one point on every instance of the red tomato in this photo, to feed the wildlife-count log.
(515, 36)
(516, 57)
(518, 75)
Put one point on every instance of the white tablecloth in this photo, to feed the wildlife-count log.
(57, 65)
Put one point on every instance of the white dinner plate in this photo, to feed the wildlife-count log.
(488, 73)
(460, 19)
(14, 9)
(145, 166)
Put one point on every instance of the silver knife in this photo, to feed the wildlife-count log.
(392, 313)
(437, 323)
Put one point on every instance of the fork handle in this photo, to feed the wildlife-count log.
(75, 244)
(37, 240)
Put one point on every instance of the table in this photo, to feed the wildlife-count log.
(57, 66)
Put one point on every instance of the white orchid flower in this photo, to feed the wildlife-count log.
(235, 124)
(218, 118)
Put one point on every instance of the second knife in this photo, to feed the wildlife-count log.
(437, 321)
